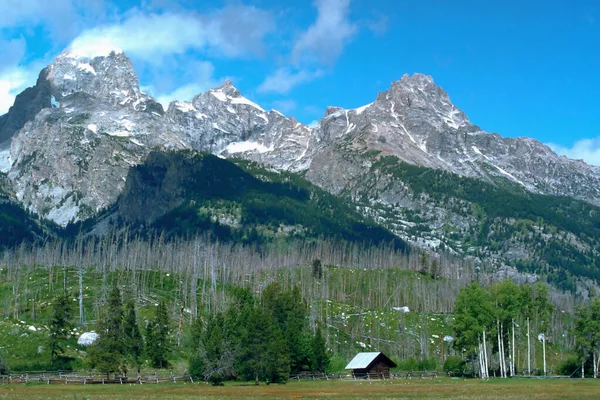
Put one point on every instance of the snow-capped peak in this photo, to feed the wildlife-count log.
(228, 93)
(79, 50)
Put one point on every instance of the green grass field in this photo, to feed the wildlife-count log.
(442, 388)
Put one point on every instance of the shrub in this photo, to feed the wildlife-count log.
(428, 365)
(454, 366)
(196, 368)
(410, 364)
(569, 366)
(3, 366)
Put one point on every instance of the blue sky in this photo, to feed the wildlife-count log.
(519, 68)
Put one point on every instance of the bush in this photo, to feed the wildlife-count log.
(3, 366)
(62, 363)
(428, 365)
(337, 364)
(454, 366)
(196, 368)
(569, 366)
(410, 364)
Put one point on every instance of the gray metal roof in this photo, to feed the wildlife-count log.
(362, 360)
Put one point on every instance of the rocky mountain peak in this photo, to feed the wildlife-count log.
(228, 88)
(110, 78)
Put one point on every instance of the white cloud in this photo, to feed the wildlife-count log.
(284, 106)
(587, 150)
(325, 39)
(322, 43)
(283, 80)
(233, 31)
(202, 80)
(313, 124)
(14, 80)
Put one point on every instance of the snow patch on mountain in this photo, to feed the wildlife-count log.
(509, 175)
(86, 67)
(184, 106)
(242, 147)
(243, 100)
(84, 50)
(360, 110)
(119, 134)
(219, 95)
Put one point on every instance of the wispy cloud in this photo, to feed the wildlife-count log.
(201, 79)
(14, 80)
(326, 38)
(172, 48)
(321, 44)
(379, 24)
(284, 79)
(233, 32)
(285, 106)
(587, 150)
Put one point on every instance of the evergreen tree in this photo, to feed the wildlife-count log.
(107, 354)
(321, 357)
(263, 351)
(317, 269)
(289, 314)
(216, 355)
(158, 343)
(134, 343)
(60, 326)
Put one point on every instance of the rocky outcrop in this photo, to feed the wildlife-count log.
(26, 106)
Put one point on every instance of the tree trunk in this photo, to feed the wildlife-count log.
(544, 349)
(485, 359)
(513, 349)
(528, 350)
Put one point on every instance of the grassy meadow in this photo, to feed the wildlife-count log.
(441, 388)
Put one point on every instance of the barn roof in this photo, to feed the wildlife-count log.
(364, 360)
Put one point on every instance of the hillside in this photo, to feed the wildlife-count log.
(495, 222)
(17, 226)
(185, 193)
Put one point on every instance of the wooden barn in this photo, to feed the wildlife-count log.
(371, 365)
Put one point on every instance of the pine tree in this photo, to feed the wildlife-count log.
(158, 343)
(321, 357)
(107, 354)
(289, 314)
(134, 343)
(317, 269)
(263, 351)
(60, 326)
(216, 353)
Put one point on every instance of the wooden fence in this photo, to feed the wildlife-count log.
(86, 378)
(351, 376)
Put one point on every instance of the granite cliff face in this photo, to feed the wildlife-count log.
(416, 122)
(68, 142)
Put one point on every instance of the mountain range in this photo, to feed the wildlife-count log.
(410, 161)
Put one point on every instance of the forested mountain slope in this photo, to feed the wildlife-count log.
(185, 193)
